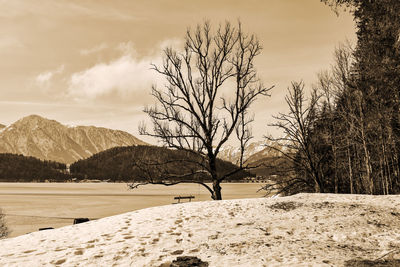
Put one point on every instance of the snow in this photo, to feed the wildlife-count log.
(301, 230)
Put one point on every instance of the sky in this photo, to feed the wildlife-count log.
(87, 62)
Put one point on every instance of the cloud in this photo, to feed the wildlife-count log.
(130, 75)
(123, 76)
(174, 42)
(45, 77)
(6, 42)
(126, 48)
(93, 50)
(62, 8)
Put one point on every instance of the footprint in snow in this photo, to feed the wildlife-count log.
(61, 261)
(79, 252)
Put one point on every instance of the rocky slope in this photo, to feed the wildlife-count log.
(50, 140)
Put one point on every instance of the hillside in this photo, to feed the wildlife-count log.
(50, 140)
(264, 154)
(301, 230)
(18, 168)
(129, 163)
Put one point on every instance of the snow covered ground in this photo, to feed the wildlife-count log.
(30, 206)
(301, 230)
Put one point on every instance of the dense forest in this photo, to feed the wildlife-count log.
(347, 134)
(141, 163)
(19, 168)
(119, 164)
(273, 168)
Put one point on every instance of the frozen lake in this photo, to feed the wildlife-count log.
(30, 206)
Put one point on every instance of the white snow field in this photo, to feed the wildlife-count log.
(301, 230)
(30, 206)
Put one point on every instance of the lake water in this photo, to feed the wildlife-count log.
(30, 206)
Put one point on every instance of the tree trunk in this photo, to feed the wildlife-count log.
(386, 169)
(217, 190)
(368, 182)
(336, 182)
(368, 179)
(350, 168)
(216, 182)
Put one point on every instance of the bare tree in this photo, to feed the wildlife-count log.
(211, 85)
(297, 142)
(3, 228)
(333, 84)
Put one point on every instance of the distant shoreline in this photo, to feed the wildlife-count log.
(116, 182)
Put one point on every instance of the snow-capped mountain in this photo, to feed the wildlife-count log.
(232, 153)
(50, 140)
(254, 151)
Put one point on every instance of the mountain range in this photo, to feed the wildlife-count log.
(50, 140)
(254, 152)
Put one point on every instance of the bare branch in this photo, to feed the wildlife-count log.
(137, 185)
(192, 112)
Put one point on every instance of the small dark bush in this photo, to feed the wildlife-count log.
(3, 227)
(80, 220)
(46, 228)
